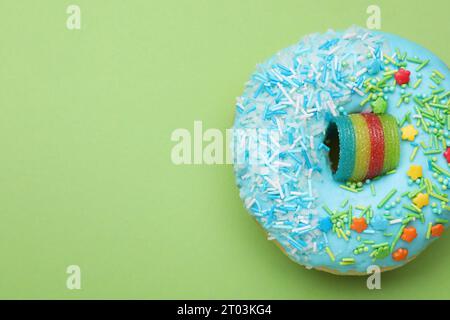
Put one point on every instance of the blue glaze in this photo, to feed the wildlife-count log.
(288, 198)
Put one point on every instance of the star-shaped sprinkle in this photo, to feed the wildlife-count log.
(447, 154)
(414, 172)
(379, 223)
(400, 254)
(436, 230)
(402, 76)
(409, 132)
(359, 224)
(421, 200)
(409, 234)
(382, 252)
(325, 224)
(379, 106)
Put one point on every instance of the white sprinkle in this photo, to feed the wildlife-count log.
(285, 93)
(336, 48)
(282, 164)
(395, 221)
(349, 35)
(301, 229)
(332, 107)
(361, 72)
(279, 125)
(250, 203)
(306, 116)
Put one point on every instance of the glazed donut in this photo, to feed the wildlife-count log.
(351, 162)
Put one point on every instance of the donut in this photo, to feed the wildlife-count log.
(340, 150)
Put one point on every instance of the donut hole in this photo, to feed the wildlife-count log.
(362, 146)
(332, 142)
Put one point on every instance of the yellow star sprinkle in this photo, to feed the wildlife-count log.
(409, 132)
(421, 200)
(415, 172)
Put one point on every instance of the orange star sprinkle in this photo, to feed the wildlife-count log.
(400, 254)
(409, 234)
(421, 200)
(359, 224)
(414, 171)
(436, 230)
(409, 132)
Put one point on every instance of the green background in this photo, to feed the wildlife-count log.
(86, 176)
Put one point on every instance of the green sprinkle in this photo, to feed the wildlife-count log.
(422, 65)
(328, 210)
(417, 208)
(413, 215)
(366, 211)
(437, 91)
(418, 101)
(434, 195)
(388, 58)
(384, 244)
(428, 185)
(436, 80)
(348, 189)
(386, 198)
(432, 152)
(440, 169)
(444, 221)
(330, 253)
(412, 194)
(344, 203)
(440, 75)
(407, 220)
(429, 230)
(389, 73)
(423, 145)
(350, 215)
(372, 189)
(439, 106)
(414, 60)
(413, 154)
(418, 82)
(411, 208)
(397, 237)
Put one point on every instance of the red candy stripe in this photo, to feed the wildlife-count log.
(377, 145)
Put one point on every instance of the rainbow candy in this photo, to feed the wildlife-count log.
(369, 145)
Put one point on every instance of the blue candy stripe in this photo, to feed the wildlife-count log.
(347, 148)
